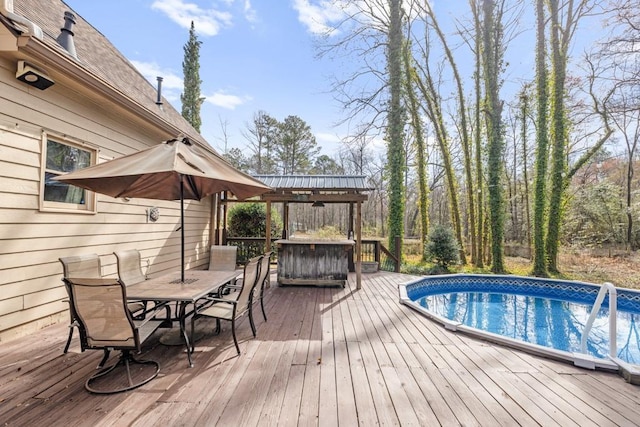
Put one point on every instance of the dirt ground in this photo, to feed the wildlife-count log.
(621, 270)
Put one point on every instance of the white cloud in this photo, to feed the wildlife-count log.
(250, 13)
(225, 100)
(318, 17)
(151, 70)
(172, 84)
(207, 22)
(322, 17)
(329, 138)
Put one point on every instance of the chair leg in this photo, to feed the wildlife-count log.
(193, 332)
(105, 357)
(125, 359)
(66, 347)
(253, 326)
(233, 332)
(264, 314)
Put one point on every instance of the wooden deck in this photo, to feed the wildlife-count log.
(325, 357)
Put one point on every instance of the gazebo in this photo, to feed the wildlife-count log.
(319, 190)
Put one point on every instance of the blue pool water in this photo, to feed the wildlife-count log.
(543, 312)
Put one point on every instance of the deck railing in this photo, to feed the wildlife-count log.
(249, 247)
(373, 251)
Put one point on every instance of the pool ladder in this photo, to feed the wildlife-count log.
(607, 287)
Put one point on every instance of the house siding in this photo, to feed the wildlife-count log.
(31, 240)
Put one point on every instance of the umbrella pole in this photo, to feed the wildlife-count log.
(182, 227)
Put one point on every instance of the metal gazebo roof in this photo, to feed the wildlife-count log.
(354, 183)
(315, 188)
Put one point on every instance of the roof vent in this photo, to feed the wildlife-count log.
(66, 34)
(159, 99)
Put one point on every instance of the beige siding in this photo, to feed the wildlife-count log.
(31, 240)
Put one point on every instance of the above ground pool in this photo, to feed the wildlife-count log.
(541, 315)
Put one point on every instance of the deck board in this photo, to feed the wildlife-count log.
(324, 357)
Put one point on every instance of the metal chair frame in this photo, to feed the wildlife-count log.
(240, 302)
(87, 265)
(127, 341)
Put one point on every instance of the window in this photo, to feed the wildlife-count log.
(61, 158)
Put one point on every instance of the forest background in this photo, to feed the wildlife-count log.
(539, 165)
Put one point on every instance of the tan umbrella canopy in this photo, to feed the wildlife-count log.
(174, 170)
(156, 173)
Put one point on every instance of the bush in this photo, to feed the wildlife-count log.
(442, 247)
(250, 220)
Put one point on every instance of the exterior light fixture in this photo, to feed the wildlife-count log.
(32, 76)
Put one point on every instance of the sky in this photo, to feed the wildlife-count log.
(261, 55)
(255, 55)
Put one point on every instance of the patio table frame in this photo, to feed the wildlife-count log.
(169, 289)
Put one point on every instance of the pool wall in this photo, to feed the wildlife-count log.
(572, 290)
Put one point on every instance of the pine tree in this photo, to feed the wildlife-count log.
(191, 99)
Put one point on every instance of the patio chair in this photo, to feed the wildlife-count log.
(105, 323)
(79, 266)
(222, 258)
(263, 279)
(233, 306)
(130, 273)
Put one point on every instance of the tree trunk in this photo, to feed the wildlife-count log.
(524, 102)
(479, 259)
(465, 138)
(395, 144)
(542, 143)
(416, 123)
(492, 58)
(558, 139)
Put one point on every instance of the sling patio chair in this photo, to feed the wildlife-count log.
(130, 273)
(263, 279)
(87, 265)
(105, 323)
(233, 306)
(222, 258)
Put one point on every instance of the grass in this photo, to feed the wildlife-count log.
(621, 270)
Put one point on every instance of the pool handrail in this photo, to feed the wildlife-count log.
(607, 287)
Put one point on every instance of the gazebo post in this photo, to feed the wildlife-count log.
(350, 230)
(285, 220)
(224, 217)
(359, 246)
(213, 220)
(218, 240)
(268, 227)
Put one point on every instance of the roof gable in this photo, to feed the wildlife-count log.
(100, 58)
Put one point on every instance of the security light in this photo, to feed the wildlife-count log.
(33, 76)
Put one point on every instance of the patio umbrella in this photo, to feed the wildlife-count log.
(174, 170)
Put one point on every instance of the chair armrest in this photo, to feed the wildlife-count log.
(225, 300)
(211, 301)
(226, 287)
